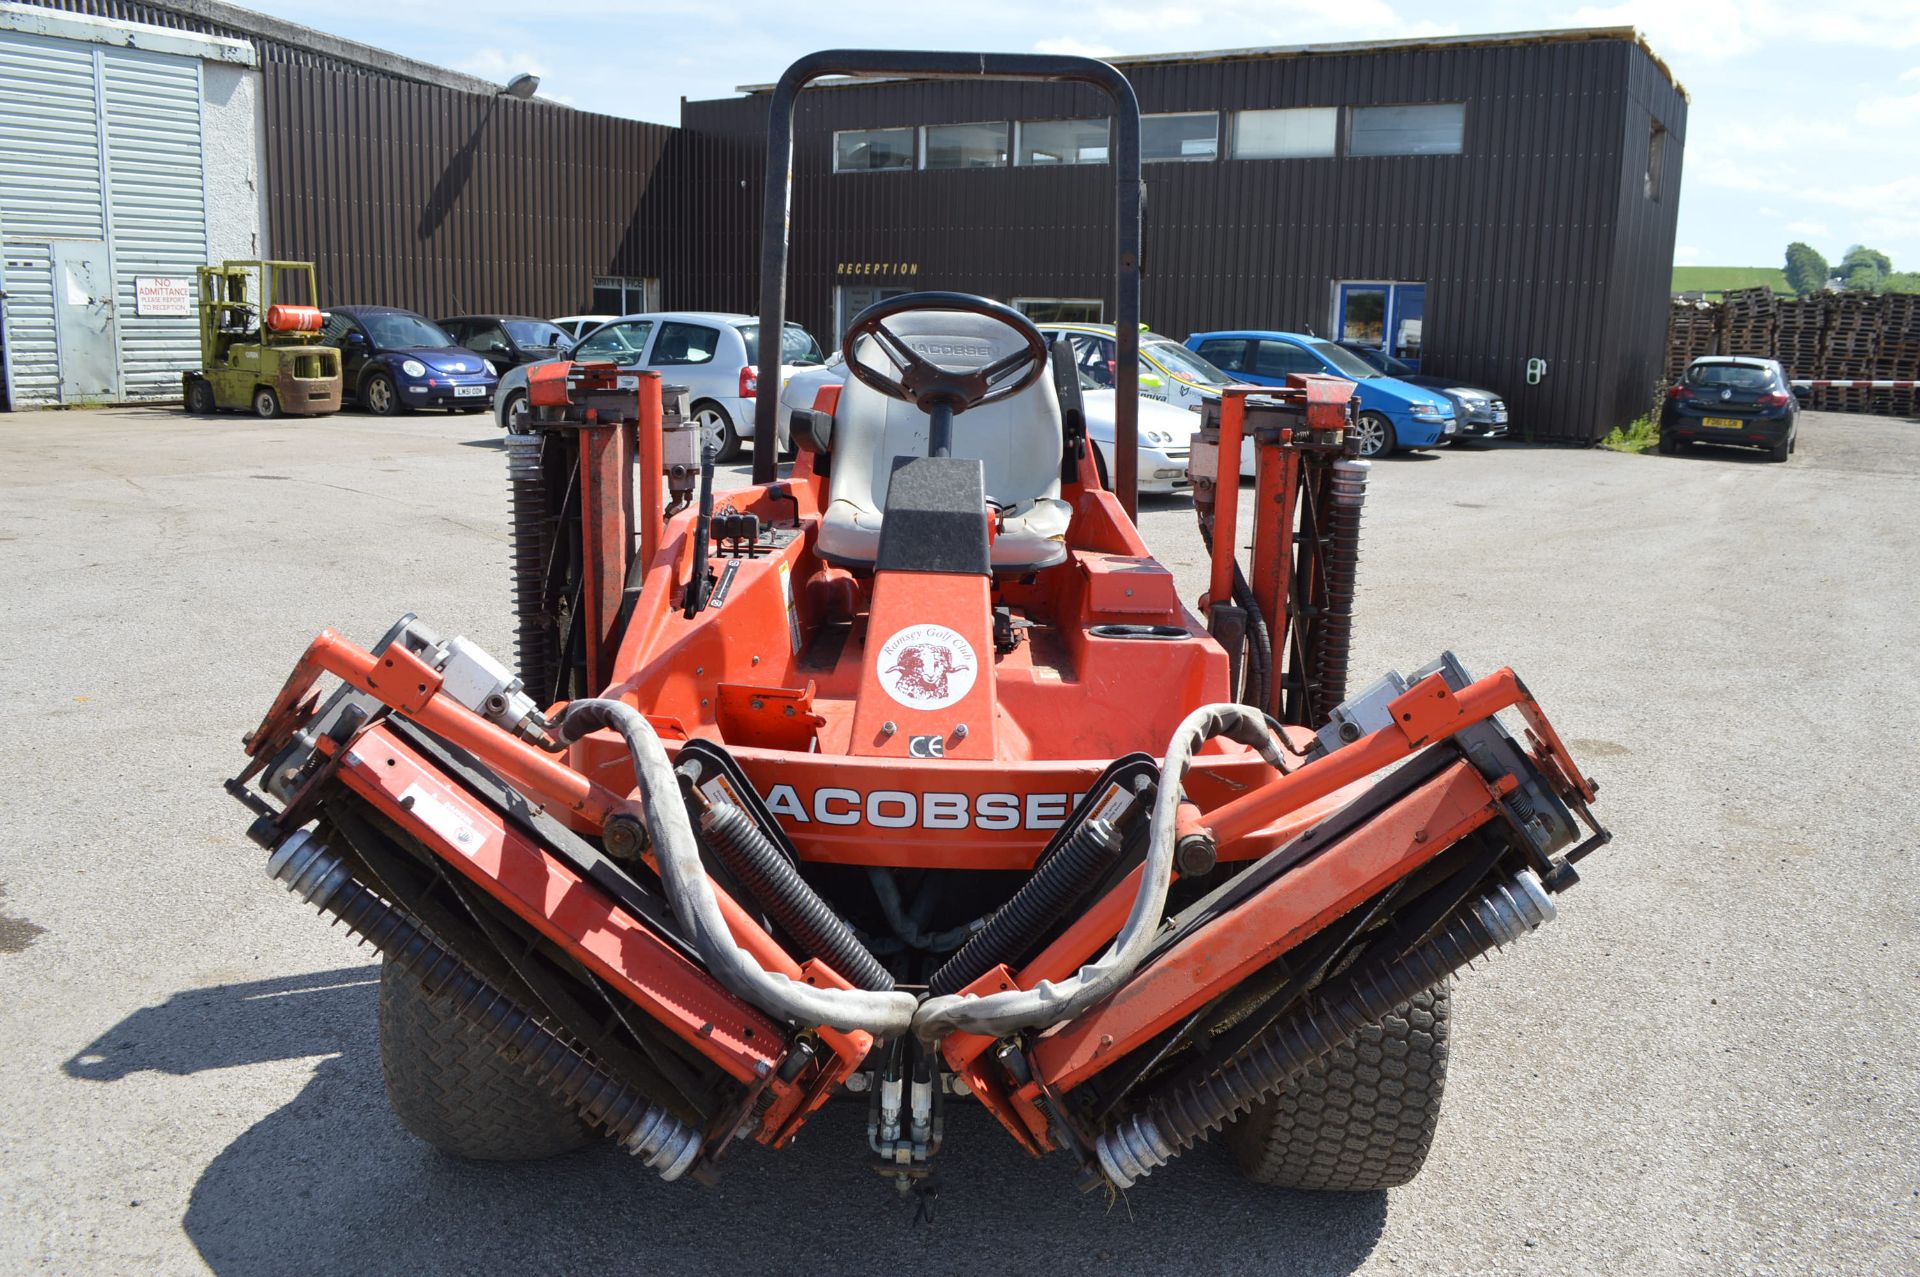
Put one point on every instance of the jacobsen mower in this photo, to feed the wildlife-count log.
(909, 777)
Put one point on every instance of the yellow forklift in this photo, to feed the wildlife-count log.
(260, 353)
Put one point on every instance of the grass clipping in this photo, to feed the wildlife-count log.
(1640, 435)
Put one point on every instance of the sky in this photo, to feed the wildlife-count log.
(1804, 125)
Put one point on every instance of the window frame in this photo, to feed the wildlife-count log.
(1179, 159)
(1246, 350)
(1351, 130)
(1333, 151)
(1019, 142)
(652, 359)
(1006, 146)
(1314, 363)
(639, 353)
(913, 149)
(1098, 303)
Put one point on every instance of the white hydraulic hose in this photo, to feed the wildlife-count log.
(1048, 1003)
(690, 891)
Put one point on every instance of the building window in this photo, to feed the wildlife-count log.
(963, 146)
(1044, 142)
(1434, 129)
(1656, 157)
(1060, 310)
(617, 295)
(1281, 135)
(1189, 136)
(871, 150)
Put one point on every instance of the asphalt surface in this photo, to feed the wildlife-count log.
(1707, 1065)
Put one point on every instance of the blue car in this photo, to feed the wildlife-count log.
(1388, 414)
(396, 361)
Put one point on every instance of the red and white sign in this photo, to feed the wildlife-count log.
(162, 295)
(927, 667)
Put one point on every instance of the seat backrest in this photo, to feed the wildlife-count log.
(1018, 440)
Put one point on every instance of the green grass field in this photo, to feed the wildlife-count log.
(1720, 279)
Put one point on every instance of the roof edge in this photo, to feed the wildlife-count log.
(31, 19)
(280, 30)
(1508, 39)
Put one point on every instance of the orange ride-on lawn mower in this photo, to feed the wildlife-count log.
(909, 777)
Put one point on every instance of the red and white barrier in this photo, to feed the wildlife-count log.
(1855, 385)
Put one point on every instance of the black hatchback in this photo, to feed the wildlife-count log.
(1732, 399)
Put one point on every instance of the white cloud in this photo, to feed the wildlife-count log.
(497, 64)
(1912, 73)
(1685, 255)
(1890, 111)
(1067, 46)
(1704, 31)
(1817, 229)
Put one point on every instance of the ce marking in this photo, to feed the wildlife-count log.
(926, 746)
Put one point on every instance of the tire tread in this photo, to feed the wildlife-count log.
(1361, 1120)
(453, 1090)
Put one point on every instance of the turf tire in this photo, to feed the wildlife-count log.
(457, 1093)
(1363, 1118)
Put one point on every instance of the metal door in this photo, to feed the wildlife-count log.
(83, 321)
(1386, 316)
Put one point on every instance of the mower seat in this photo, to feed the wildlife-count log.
(1018, 441)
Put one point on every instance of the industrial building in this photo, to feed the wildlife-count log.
(1500, 209)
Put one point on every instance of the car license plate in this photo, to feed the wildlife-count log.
(1721, 423)
(468, 392)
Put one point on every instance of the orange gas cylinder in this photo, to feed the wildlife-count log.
(294, 319)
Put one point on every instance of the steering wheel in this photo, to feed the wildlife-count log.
(925, 384)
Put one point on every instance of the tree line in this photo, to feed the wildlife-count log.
(1864, 269)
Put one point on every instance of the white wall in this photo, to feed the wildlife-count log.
(234, 137)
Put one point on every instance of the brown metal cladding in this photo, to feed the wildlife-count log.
(407, 194)
(1538, 241)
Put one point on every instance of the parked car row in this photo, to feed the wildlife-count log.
(1395, 407)
(395, 360)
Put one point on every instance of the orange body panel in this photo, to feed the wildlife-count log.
(1286, 912)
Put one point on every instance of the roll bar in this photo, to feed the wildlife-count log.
(878, 63)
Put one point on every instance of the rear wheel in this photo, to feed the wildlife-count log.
(266, 404)
(716, 431)
(1363, 1118)
(1668, 444)
(1781, 451)
(1375, 434)
(453, 1090)
(200, 397)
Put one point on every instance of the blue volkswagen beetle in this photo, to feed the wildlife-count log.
(393, 360)
(1388, 414)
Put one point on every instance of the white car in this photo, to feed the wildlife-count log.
(1165, 433)
(714, 355)
(578, 326)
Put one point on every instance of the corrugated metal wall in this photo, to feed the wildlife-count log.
(156, 188)
(99, 143)
(411, 195)
(49, 189)
(1537, 241)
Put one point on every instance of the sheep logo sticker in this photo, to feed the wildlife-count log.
(927, 667)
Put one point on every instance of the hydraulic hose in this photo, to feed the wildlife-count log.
(1014, 926)
(321, 877)
(1048, 1003)
(777, 887)
(883, 1013)
(1259, 641)
(1188, 1111)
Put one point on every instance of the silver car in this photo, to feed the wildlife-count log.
(714, 355)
